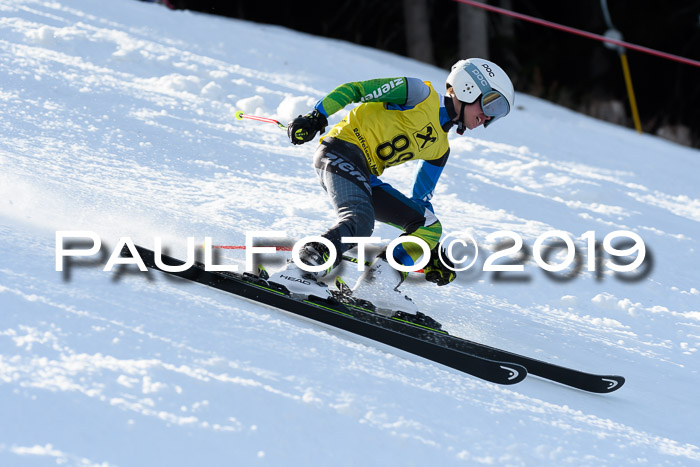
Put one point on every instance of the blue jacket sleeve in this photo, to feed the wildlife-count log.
(424, 181)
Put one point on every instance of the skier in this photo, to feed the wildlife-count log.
(398, 120)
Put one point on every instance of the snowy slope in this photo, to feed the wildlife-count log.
(118, 117)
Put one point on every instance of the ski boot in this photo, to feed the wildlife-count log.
(379, 285)
(302, 283)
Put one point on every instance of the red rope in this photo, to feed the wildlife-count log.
(580, 32)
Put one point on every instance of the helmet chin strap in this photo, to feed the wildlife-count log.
(460, 124)
(452, 113)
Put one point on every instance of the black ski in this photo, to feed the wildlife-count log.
(578, 379)
(400, 332)
(417, 334)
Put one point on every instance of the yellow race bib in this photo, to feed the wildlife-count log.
(392, 137)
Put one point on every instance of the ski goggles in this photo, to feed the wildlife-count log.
(494, 105)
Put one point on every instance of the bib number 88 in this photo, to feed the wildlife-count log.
(388, 150)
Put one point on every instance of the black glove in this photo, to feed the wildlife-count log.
(303, 129)
(436, 270)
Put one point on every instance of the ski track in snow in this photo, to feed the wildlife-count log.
(115, 122)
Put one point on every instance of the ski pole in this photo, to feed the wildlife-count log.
(289, 248)
(240, 116)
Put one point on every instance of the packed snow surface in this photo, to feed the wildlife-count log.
(119, 118)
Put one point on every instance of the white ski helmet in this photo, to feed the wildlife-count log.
(475, 78)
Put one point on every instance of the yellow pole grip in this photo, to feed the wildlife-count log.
(630, 92)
